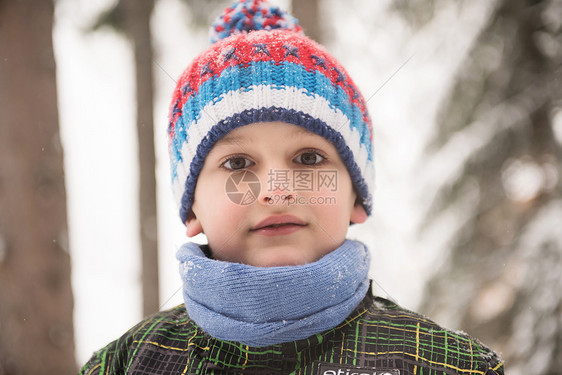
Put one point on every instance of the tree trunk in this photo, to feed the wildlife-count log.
(36, 330)
(137, 15)
(308, 14)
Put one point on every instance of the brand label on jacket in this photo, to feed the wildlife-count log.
(335, 369)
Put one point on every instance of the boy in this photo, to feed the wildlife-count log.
(271, 153)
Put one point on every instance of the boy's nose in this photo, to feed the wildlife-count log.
(276, 187)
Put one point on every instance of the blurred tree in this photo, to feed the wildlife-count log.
(502, 277)
(137, 21)
(308, 14)
(204, 12)
(36, 303)
(132, 17)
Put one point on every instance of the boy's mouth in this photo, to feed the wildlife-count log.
(277, 225)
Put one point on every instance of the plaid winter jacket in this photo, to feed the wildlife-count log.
(378, 338)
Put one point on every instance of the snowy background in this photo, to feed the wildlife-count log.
(403, 73)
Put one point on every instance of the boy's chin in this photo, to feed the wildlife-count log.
(281, 256)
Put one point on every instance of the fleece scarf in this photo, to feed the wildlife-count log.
(261, 306)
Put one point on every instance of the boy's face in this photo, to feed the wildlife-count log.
(303, 206)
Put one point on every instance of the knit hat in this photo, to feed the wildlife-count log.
(261, 67)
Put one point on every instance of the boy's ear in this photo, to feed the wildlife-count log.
(358, 213)
(193, 225)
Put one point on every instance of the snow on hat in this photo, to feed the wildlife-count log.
(261, 67)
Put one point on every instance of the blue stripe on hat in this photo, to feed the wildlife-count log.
(282, 75)
(278, 76)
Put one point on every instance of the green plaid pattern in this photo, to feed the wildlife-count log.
(378, 335)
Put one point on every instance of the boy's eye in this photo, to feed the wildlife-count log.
(237, 162)
(309, 158)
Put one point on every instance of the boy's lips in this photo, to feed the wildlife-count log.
(278, 225)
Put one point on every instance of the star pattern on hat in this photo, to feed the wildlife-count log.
(320, 61)
(260, 48)
(230, 54)
(355, 92)
(341, 76)
(291, 51)
(206, 69)
(186, 89)
(176, 108)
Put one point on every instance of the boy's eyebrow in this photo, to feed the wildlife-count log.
(301, 130)
(232, 139)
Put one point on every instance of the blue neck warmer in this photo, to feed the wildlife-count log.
(260, 306)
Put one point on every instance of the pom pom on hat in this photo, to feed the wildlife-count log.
(251, 15)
